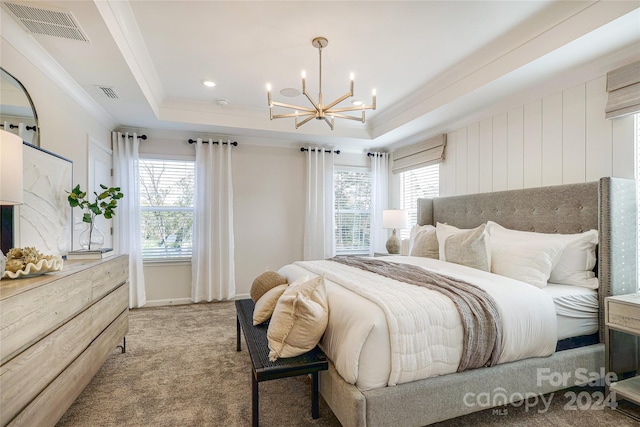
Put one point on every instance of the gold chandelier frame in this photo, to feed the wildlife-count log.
(320, 111)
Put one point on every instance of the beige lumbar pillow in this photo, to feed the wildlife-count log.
(299, 319)
(266, 304)
(264, 282)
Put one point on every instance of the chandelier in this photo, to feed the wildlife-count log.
(320, 111)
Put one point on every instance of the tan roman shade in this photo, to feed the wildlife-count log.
(418, 155)
(623, 86)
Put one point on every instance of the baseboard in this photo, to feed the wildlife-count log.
(161, 302)
(182, 301)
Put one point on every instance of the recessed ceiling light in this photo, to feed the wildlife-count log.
(208, 83)
(222, 102)
(357, 102)
(290, 92)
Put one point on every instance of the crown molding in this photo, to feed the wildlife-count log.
(123, 27)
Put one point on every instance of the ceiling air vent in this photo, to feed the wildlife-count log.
(108, 92)
(47, 22)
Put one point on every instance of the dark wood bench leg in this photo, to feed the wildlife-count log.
(315, 410)
(254, 400)
(238, 340)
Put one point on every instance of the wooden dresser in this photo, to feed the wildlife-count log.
(56, 331)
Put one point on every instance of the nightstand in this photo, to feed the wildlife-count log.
(622, 313)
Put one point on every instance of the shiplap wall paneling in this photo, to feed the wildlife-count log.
(532, 144)
(485, 181)
(573, 135)
(560, 139)
(515, 149)
(448, 167)
(552, 139)
(461, 161)
(598, 134)
(473, 158)
(500, 152)
(623, 146)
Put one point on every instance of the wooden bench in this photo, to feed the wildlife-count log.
(263, 369)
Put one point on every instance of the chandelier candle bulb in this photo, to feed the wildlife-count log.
(351, 76)
(304, 84)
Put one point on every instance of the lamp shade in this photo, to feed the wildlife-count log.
(10, 168)
(395, 218)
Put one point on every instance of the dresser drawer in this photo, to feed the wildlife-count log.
(623, 315)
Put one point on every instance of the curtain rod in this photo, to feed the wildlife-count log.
(313, 150)
(376, 154)
(139, 136)
(12, 126)
(234, 143)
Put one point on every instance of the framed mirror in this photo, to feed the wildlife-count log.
(17, 112)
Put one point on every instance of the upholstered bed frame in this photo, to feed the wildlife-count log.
(608, 205)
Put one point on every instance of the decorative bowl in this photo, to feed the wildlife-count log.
(31, 269)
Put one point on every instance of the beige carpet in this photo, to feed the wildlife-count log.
(181, 369)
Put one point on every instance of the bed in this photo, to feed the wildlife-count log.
(608, 206)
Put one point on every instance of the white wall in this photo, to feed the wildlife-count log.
(559, 139)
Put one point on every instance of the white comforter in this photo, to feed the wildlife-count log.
(384, 332)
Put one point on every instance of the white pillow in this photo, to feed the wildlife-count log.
(443, 231)
(577, 260)
(529, 261)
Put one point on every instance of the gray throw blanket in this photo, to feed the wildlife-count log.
(482, 342)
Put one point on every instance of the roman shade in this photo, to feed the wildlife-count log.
(623, 86)
(425, 153)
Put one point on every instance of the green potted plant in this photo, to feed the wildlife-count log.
(104, 203)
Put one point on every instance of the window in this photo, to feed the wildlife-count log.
(166, 203)
(422, 182)
(352, 191)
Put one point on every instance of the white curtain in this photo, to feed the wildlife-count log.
(212, 263)
(128, 238)
(319, 221)
(379, 200)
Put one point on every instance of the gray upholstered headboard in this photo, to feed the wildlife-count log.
(608, 205)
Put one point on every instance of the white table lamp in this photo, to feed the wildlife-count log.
(10, 175)
(394, 219)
